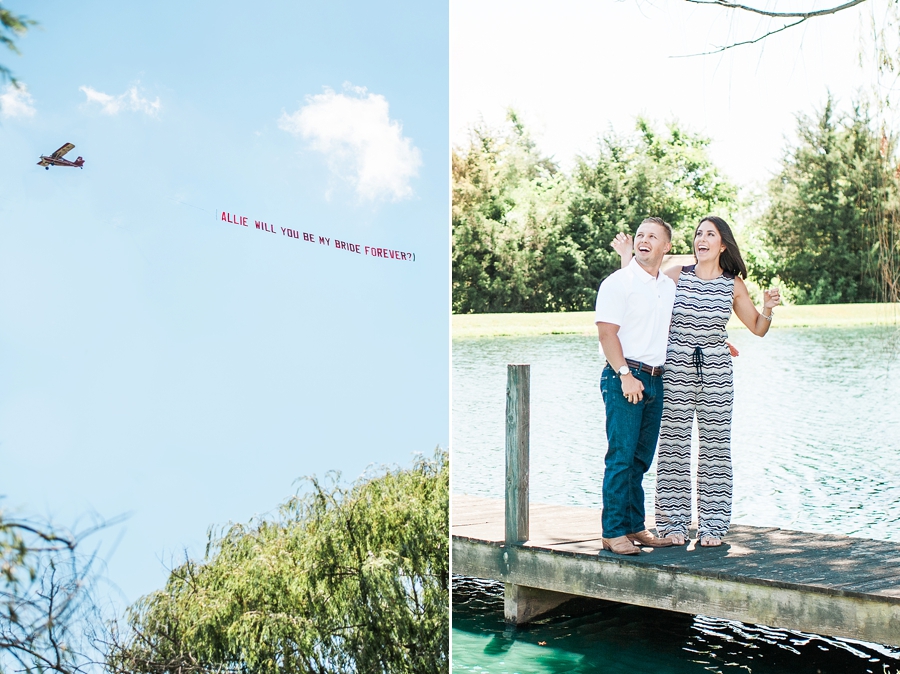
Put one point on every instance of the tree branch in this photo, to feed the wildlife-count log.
(800, 16)
(781, 15)
(739, 44)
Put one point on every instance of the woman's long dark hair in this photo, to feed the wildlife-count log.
(730, 260)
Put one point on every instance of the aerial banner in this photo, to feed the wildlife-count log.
(317, 239)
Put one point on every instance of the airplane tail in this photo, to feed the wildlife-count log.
(79, 161)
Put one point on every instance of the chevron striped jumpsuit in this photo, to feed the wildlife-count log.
(697, 379)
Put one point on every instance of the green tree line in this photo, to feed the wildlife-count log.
(529, 236)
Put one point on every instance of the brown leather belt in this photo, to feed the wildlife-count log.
(643, 367)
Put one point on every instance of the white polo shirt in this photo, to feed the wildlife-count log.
(641, 306)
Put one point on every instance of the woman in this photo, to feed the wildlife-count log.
(698, 380)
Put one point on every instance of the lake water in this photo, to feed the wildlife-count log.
(815, 447)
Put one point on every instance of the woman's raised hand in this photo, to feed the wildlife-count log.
(772, 298)
(623, 244)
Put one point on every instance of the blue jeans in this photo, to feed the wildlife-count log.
(632, 430)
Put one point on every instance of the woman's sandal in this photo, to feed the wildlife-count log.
(677, 539)
(710, 542)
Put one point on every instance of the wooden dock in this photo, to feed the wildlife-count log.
(544, 554)
(825, 584)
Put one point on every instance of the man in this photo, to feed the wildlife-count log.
(634, 308)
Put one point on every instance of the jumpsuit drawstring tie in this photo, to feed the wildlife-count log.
(697, 362)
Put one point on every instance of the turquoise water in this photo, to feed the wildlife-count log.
(815, 446)
(593, 636)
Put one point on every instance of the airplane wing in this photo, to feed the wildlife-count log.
(62, 151)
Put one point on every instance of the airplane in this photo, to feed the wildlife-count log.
(56, 159)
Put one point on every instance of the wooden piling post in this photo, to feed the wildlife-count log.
(520, 603)
(518, 394)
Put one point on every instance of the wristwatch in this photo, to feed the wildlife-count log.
(622, 371)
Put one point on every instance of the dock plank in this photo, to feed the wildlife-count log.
(825, 583)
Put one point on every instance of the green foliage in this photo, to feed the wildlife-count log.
(509, 213)
(832, 187)
(12, 26)
(668, 175)
(343, 580)
(527, 237)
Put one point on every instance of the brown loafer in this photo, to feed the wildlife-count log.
(621, 545)
(646, 538)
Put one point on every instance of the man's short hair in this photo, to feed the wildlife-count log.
(662, 223)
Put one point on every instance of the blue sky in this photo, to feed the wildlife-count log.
(158, 361)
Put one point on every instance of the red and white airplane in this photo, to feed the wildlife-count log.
(56, 159)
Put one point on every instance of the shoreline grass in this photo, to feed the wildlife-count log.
(582, 322)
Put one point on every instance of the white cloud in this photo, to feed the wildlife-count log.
(360, 141)
(131, 101)
(16, 102)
